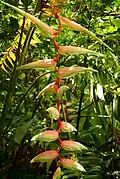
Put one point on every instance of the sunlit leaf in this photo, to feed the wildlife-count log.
(100, 92)
(12, 55)
(10, 60)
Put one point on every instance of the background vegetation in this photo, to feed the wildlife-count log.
(91, 104)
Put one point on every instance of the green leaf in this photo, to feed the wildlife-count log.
(21, 131)
(116, 22)
(26, 2)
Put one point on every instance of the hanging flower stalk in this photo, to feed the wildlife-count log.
(52, 135)
(62, 126)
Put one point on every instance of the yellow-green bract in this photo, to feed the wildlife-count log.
(73, 70)
(72, 50)
(66, 127)
(48, 89)
(72, 145)
(45, 64)
(57, 173)
(61, 90)
(48, 136)
(46, 29)
(75, 26)
(53, 112)
(45, 156)
(72, 165)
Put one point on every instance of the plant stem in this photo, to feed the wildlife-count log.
(79, 109)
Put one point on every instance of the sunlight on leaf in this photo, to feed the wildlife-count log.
(100, 92)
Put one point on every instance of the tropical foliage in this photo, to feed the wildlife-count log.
(59, 100)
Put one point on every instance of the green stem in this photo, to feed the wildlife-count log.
(65, 119)
(80, 107)
(79, 112)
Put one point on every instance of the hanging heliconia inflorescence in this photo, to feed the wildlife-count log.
(53, 9)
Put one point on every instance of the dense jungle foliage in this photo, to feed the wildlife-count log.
(91, 104)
